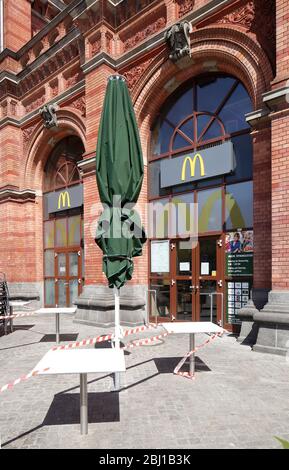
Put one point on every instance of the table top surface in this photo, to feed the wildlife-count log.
(192, 327)
(56, 310)
(82, 361)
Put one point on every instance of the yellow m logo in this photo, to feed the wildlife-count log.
(193, 162)
(64, 200)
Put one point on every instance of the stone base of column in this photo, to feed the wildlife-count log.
(249, 328)
(95, 306)
(273, 325)
(30, 292)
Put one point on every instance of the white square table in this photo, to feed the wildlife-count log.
(192, 328)
(57, 311)
(82, 362)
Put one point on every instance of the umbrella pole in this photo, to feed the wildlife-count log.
(116, 318)
(117, 333)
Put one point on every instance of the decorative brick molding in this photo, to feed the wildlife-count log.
(185, 6)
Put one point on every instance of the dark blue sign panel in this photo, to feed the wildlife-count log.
(214, 161)
(65, 199)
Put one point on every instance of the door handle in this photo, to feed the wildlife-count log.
(173, 282)
(220, 283)
(79, 281)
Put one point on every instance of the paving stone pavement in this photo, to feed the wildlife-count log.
(238, 400)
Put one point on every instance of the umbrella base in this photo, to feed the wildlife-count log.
(96, 306)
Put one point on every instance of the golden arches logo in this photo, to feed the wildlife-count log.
(193, 162)
(64, 200)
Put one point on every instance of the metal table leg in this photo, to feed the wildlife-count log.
(11, 320)
(192, 357)
(57, 327)
(83, 404)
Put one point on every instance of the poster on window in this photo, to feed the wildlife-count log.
(239, 253)
(238, 295)
(160, 257)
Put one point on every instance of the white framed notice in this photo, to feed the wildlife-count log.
(160, 256)
(184, 267)
(205, 269)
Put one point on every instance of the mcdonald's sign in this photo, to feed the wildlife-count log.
(208, 163)
(198, 157)
(65, 199)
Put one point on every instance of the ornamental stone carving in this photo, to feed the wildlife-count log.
(133, 75)
(185, 6)
(143, 34)
(48, 114)
(243, 16)
(178, 40)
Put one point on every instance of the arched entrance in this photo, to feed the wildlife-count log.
(201, 153)
(63, 224)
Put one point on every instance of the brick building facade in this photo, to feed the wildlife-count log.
(62, 52)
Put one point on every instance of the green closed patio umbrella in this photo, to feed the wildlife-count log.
(119, 175)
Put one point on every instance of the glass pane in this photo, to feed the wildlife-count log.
(49, 234)
(74, 230)
(208, 303)
(154, 180)
(182, 108)
(73, 264)
(61, 264)
(49, 287)
(208, 257)
(210, 210)
(239, 205)
(212, 91)
(160, 299)
(73, 291)
(184, 259)
(161, 136)
(45, 207)
(188, 129)
(183, 216)
(243, 148)
(49, 263)
(82, 263)
(233, 113)
(61, 233)
(184, 300)
(180, 142)
(215, 130)
(159, 219)
(61, 293)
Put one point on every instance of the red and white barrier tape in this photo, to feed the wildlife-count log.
(141, 342)
(100, 339)
(189, 354)
(17, 315)
(11, 385)
(84, 342)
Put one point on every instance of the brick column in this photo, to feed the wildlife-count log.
(17, 23)
(273, 320)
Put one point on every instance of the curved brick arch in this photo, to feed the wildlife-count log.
(44, 141)
(219, 49)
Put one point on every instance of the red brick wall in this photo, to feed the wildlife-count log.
(17, 23)
(262, 207)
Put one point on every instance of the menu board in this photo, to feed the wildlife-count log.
(238, 295)
(160, 256)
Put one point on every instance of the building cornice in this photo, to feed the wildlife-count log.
(15, 195)
(60, 99)
(275, 97)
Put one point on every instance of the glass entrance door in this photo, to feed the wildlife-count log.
(197, 280)
(68, 279)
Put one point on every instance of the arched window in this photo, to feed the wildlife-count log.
(207, 111)
(61, 169)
